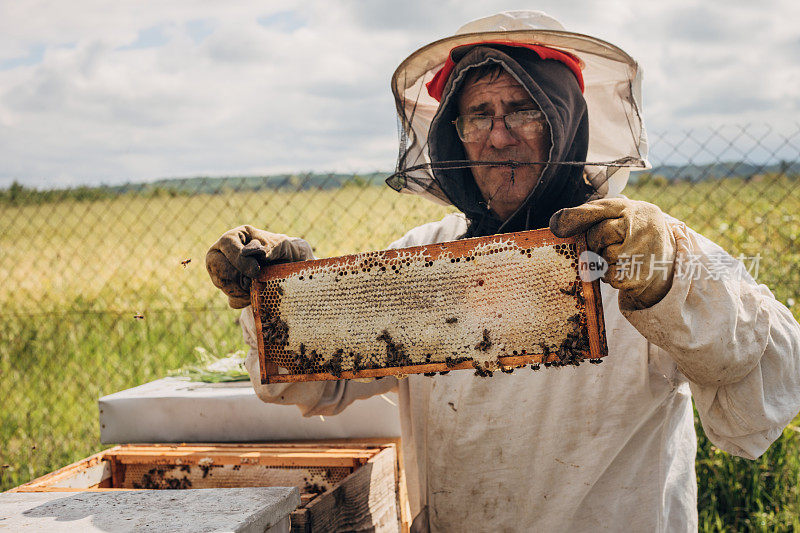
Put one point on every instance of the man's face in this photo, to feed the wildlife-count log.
(495, 96)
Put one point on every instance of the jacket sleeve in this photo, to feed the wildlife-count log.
(736, 344)
(312, 397)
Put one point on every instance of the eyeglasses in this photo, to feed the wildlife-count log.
(525, 124)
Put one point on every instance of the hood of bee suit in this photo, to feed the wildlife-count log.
(555, 90)
(612, 90)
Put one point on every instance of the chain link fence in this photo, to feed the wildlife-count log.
(105, 288)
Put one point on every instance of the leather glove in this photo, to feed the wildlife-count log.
(634, 239)
(237, 257)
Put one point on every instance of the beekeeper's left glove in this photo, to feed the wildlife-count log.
(635, 240)
(237, 257)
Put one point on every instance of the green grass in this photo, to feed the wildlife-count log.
(740, 495)
(76, 272)
(760, 217)
(54, 369)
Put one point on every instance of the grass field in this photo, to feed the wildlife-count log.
(76, 272)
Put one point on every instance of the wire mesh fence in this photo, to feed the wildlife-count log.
(103, 288)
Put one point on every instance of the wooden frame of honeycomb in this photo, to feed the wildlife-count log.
(490, 303)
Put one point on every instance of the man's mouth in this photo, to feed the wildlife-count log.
(505, 169)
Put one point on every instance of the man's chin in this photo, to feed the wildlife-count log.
(505, 207)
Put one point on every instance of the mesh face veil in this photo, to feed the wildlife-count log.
(617, 142)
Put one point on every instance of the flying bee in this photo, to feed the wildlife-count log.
(186, 262)
(138, 316)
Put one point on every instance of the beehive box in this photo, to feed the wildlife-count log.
(343, 485)
(490, 303)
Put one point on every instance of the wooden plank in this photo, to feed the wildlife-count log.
(189, 454)
(379, 442)
(269, 367)
(402, 491)
(117, 473)
(249, 454)
(595, 322)
(508, 361)
(316, 447)
(92, 475)
(366, 500)
(154, 458)
(62, 473)
(275, 456)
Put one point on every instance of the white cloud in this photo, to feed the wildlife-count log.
(131, 90)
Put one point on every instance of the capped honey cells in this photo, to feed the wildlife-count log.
(486, 304)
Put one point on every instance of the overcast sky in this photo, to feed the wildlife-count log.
(108, 92)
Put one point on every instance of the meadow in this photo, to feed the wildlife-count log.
(76, 272)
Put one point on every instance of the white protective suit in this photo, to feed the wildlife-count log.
(608, 446)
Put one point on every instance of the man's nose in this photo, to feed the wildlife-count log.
(499, 136)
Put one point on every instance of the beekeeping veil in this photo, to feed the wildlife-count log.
(617, 140)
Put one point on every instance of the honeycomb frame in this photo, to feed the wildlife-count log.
(313, 322)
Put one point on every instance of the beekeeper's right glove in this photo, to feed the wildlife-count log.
(620, 229)
(237, 257)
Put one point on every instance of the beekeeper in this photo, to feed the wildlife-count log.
(575, 448)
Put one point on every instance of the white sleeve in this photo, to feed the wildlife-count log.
(735, 343)
(312, 397)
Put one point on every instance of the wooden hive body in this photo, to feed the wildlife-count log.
(344, 485)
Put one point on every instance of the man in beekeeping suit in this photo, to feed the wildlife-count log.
(576, 448)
